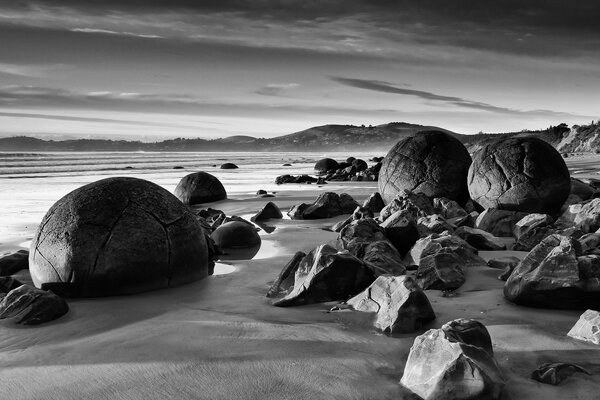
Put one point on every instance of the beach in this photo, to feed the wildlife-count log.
(220, 338)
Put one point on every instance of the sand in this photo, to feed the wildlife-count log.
(220, 338)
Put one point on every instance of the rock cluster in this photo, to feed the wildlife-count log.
(327, 205)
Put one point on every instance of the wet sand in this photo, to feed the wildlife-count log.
(220, 338)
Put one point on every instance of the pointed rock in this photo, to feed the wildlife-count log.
(587, 328)
(269, 211)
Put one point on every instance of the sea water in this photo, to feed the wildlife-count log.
(31, 182)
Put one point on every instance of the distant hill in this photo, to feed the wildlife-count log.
(585, 138)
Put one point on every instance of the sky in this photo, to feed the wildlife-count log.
(181, 68)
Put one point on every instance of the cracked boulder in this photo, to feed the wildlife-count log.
(327, 275)
(454, 362)
(555, 275)
(31, 306)
(400, 304)
(118, 236)
(430, 162)
(587, 328)
(519, 174)
(200, 187)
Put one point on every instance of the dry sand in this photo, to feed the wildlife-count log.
(221, 339)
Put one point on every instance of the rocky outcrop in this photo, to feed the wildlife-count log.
(520, 174)
(401, 306)
(430, 162)
(200, 187)
(454, 362)
(587, 328)
(585, 215)
(14, 262)
(31, 306)
(118, 236)
(328, 275)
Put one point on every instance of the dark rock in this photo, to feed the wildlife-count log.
(236, 234)
(429, 162)
(14, 262)
(347, 203)
(374, 203)
(31, 306)
(582, 189)
(520, 174)
(531, 222)
(269, 211)
(587, 327)
(441, 271)
(260, 192)
(286, 165)
(383, 258)
(550, 277)
(358, 234)
(118, 236)
(417, 203)
(441, 366)
(349, 160)
(200, 187)
(448, 208)
(360, 165)
(326, 164)
(178, 167)
(331, 276)
(285, 280)
(327, 205)
(435, 243)
(555, 373)
(297, 211)
(229, 166)
(7, 284)
(499, 223)
(433, 224)
(295, 179)
(401, 306)
(504, 262)
(479, 239)
(584, 215)
(341, 224)
(469, 331)
(401, 229)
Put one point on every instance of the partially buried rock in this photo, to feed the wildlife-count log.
(519, 174)
(555, 373)
(236, 235)
(401, 306)
(429, 162)
(31, 306)
(285, 280)
(446, 364)
(442, 271)
(587, 328)
(507, 264)
(499, 222)
(269, 211)
(326, 164)
(229, 166)
(551, 276)
(14, 262)
(331, 276)
(200, 187)
(118, 236)
(479, 239)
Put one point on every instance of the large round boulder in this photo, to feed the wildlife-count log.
(520, 174)
(200, 187)
(238, 240)
(118, 236)
(326, 164)
(429, 162)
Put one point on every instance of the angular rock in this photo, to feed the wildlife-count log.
(479, 238)
(519, 174)
(585, 215)
(442, 367)
(499, 223)
(118, 236)
(331, 276)
(285, 280)
(441, 271)
(429, 162)
(469, 331)
(200, 187)
(383, 258)
(448, 208)
(417, 203)
(550, 277)
(347, 203)
(531, 222)
(433, 224)
(436, 242)
(401, 306)
(269, 211)
(31, 306)
(14, 262)
(587, 328)
(555, 373)
(327, 205)
(7, 284)
(374, 203)
(401, 229)
(297, 211)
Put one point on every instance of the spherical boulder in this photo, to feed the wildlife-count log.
(237, 239)
(200, 187)
(520, 174)
(118, 236)
(360, 165)
(429, 162)
(326, 164)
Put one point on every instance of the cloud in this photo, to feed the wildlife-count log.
(70, 118)
(108, 32)
(276, 89)
(386, 87)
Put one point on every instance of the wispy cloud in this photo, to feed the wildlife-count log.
(386, 87)
(276, 89)
(109, 32)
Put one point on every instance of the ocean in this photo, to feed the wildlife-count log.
(31, 182)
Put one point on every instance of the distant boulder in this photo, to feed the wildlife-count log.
(326, 164)
(360, 165)
(229, 166)
(519, 174)
(429, 162)
(118, 236)
(200, 187)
